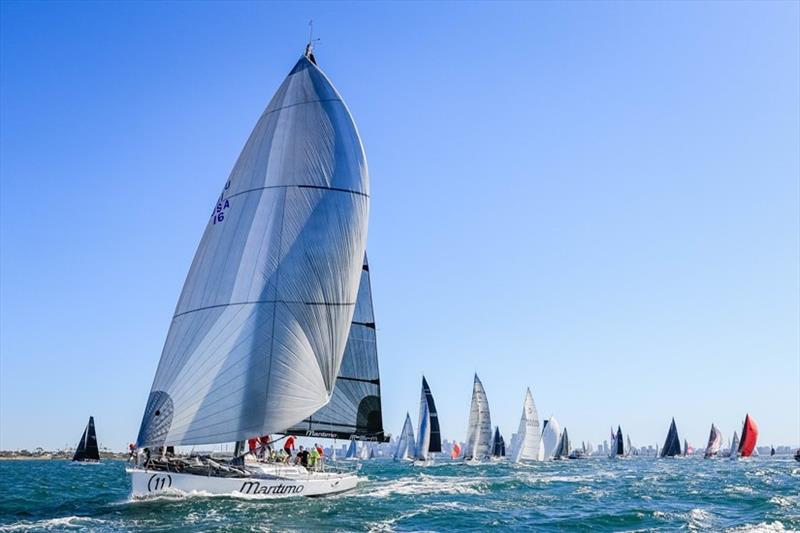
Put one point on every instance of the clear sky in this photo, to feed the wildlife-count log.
(597, 200)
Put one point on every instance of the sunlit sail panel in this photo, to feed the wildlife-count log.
(260, 328)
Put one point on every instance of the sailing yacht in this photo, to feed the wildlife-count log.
(429, 438)
(551, 433)
(747, 446)
(617, 448)
(87, 451)
(714, 443)
(562, 449)
(479, 430)
(672, 444)
(498, 445)
(259, 334)
(734, 453)
(406, 446)
(526, 444)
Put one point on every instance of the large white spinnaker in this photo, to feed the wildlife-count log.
(405, 444)
(259, 331)
(479, 429)
(551, 434)
(526, 444)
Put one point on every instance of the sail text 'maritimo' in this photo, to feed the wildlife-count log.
(259, 332)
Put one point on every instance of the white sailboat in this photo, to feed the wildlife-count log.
(406, 447)
(734, 453)
(551, 433)
(267, 307)
(526, 444)
(479, 431)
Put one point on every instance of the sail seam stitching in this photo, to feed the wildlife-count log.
(301, 103)
(334, 189)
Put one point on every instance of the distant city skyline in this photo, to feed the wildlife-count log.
(599, 201)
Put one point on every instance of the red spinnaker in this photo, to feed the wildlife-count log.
(456, 451)
(749, 437)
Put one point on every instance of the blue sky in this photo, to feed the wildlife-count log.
(597, 200)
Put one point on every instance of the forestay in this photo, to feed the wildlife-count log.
(259, 332)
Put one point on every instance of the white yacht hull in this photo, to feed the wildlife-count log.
(151, 482)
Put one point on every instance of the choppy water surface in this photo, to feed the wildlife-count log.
(637, 494)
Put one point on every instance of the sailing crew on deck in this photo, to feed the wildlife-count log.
(302, 457)
(288, 446)
(314, 458)
(265, 450)
(252, 444)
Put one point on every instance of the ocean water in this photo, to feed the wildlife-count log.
(638, 494)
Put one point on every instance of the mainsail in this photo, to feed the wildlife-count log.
(749, 437)
(562, 450)
(498, 444)
(354, 410)
(550, 436)
(405, 444)
(714, 442)
(479, 430)
(672, 444)
(87, 449)
(259, 331)
(526, 444)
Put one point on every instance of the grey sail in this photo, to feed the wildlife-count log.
(672, 444)
(354, 410)
(479, 430)
(563, 448)
(259, 331)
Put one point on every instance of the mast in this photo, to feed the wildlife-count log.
(259, 332)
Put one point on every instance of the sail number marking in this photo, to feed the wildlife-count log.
(218, 215)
